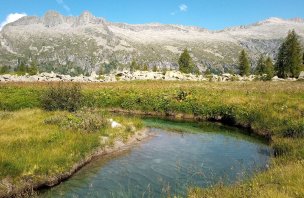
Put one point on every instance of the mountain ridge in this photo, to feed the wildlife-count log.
(88, 15)
(85, 42)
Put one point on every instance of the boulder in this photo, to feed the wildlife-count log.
(226, 75)
(301, 76)
(276, 78)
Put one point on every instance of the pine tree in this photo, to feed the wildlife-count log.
(4, 69)
(134, 66)
(145, 68)
(33, 69)
(260, 69)
(269, 69)
(21, 68)
(207, 72)
(289, 59)
(101, 72)
(185, 62)
(154, 69)
(244, 64)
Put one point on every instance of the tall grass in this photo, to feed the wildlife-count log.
(271, 109)
(36, 145)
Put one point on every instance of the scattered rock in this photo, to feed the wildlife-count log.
(137, 75)
(114, 124)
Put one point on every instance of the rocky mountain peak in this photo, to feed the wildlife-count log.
(88, 18)
(52, 18)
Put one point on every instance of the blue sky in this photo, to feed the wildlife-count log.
(211, 14)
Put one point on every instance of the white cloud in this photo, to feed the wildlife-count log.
(183, 8)
(11, 18)
(64, 5)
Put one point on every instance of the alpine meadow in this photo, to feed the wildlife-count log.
(94, 108)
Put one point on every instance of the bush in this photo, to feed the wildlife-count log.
(62, 97)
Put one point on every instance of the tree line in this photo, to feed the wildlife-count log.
(290, 61)
(21, 69)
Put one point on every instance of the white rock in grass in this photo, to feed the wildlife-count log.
(114, 124)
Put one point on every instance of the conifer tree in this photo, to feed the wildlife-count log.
(33, 69)
(133, 66)
(269, 69)
(145, 68)
(260, 69)
(4, 69)
(185, 62)
(21, 68)
(289, 58)
(154, 69)
(244, 64)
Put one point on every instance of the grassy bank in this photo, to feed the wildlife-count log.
(36, 145)
(271, 109)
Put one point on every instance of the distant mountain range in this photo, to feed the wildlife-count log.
(83, 43)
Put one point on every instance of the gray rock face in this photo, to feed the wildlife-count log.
(52, 18)
(65, 43)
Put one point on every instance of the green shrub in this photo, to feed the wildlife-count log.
(62, 97)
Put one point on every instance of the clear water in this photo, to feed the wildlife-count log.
(167, 164)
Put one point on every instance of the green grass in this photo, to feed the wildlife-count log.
(280, 181)
(33, 148)
(270, 109)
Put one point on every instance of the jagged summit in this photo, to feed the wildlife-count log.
(53, 18)
(88, 18)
